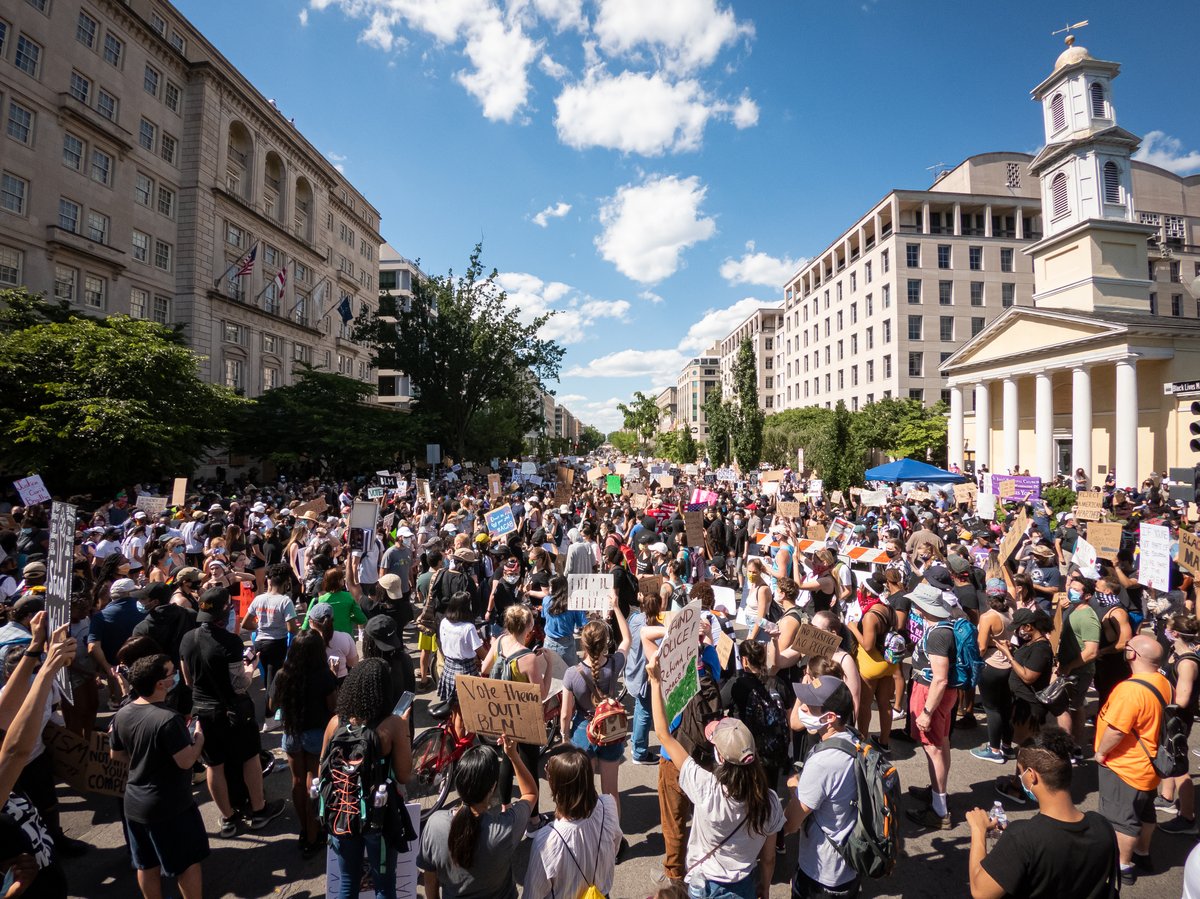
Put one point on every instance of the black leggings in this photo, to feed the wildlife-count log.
(997, 699)
(529, 754)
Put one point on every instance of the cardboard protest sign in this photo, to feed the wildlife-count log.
(769, 488)
(812, 641)
(317, 505)
(815, 532)
(856, 491)
(495, 488)
(622, 468)
(1106, 538)
(639, 501)
(595, 474)
(179, 492)
(725, 647)
(775, 474)
(837, 498)
(502, 708)
(918, 496)
(965, 493)
(650, 583)
(423, 490)
(565, 475)
(665, 481)
(788, 510)
(1154, 560)
(32, 490)
(1089, 505)
(1008, 543)
(151, 505)
(589, 592)
(677, 659)
(1189, 552)
(501, 521)
(1008, 487)
(872, 497)
(87, 765)
(693, 523)
(1056, 627)
(59, 562)
(562, 494)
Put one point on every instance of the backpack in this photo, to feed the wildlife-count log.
(873, 845)
(502, 668)
(1170, 757)
(609, 722)
(766, 718)
(968, 663)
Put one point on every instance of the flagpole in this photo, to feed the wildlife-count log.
(273, 279)
(237, 262)
(313, 295)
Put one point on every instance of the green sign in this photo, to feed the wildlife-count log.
(688, 687)
(613, 484)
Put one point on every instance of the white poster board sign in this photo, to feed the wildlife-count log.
(589, 592)
(32, 490)
(1155, 556)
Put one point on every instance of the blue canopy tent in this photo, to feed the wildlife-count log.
(912, 470)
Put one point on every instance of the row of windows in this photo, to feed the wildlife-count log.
(945, 255)
(79, 286)
(976, 293)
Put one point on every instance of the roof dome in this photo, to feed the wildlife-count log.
(1071, 55)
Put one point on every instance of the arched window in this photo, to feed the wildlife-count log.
(1096, 92)
(1058, 195)
(1058, 113)
(302, 223)
(239, 165)
(273, 187)
(1112, 183)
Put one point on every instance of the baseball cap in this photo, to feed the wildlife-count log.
(392, 585)
(322, 611)
(188, 574)
(1034, 617)
(958, 564)
(29, 604)
(139, 514)
(382, 629)
(658, 547)
(995, 586)
(405, 531)
(939, 577)
(216, 507)
(122, 587)
(34, 569)
(732, 739)
(213, 603)
(829, 694)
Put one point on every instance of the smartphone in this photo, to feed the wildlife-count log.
(404, 703)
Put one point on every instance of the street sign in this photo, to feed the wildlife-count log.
(1176, 388)
(433, 453)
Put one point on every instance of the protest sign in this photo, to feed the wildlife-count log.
(769, 488)
(423, 491)
(1084, 556)
(856, 491)
(86, 765)
(364, 514)
(1089, 505)
(389, 521)
(775, 474)
(528, 468)
(812, 641)
(788, 510)
(677, 659)
(837, 498)
(433, 453)
(639, 501)
(650, 583)
(32, 490)
(595, 474)
(151, 505)
(693, 523)
(536, 480)
(985, 505)
(918, 496)
(405, 867)
(725, 648)
(816, 487)
(1056, 626)
(612, 484)
(179, 492)
(495, 488)
(1106, 538)
(59, 563)
(502, 708)
(1008, 487)
(565, 475)
(725, 599)
(1155, 556)
(815, 532)
(965, 493)
(317, 506)
(501, 521)
(665, 481)
(1012, 537)
(375, 492)
(589, 592)
(1022, 487)
(725, 474)
(1189, 552)
(622, 468)
(872, 497)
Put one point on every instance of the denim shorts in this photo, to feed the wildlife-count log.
(174, 844)
(310, 741)
(614, 752)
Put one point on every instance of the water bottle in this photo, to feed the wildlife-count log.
(381, 796)
(314, 788)
(999, 818)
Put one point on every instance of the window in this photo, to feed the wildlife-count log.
(885, 258)
(171, 97)
(1013, 175)
(113, 48)
(39, 5)
(914, 327)
(916, 393)
(234, 235)
(1154, 304)
(166, 201)
(139, 302)
(1177, 304)
(162, 309)
(29, 56)
(13, 191)
(80, 88)
(976, 293)
(93, 291)
(887, 366)
(945, 293)
(270, 377)
(914, 291)
(271, 343)
(233, 374)
(1112, 182)
(916, 364)
(65, 279)
(887, 332)
(1058, 194)
(870, 306)
(1058, 114)
(10, 267)
(167, 148)
(853, 316)
(158, 24)
(1008, 294)
(943, 251)
(20, 123)
(141, 246)
(853, 344)
(85, 31)
(177, 41)
(867, 272)
(106, 105)
(946, 327)
(72, 152)
(870, 338)
(853, 282)
(271, 297)
(839, 321)
(977, 322)
(839, 351)
(68, 215)
(887, 296)
(233, 333)
(975, 258)
(3, 37)
(1096, 94)
(162, 255)
(270, 255)
(101, 167)
(870, 370)
(942, 357)
(97, 227)
(146, 134)
(302, 353)
(1006, 259)
(143, 189)
(912, 255)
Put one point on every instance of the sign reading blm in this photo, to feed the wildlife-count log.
(502, 708)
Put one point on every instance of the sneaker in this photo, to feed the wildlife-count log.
(1009, 790)
(646, 760)
(1076, 755)
(1165, 805)
(229, 827)
(424, 684)
(1143, 863)
(967, 722)
(1178, 824)
(1009, 753)
(988, 754)
(899, 714)
(928, 819)
(265, 815)
(921, 794)
(1128, 876)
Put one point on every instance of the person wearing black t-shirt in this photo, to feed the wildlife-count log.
(1060, 851)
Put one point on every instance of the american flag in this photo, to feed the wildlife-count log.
(697, 507)
(247, 265)
(281, 278)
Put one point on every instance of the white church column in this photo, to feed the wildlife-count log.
(1126, 424)
(954, 430)
(1081, 419)
(1012, 425)
(983, 426)
(1043, 425)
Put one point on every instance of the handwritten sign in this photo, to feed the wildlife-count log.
(837, 498)
(179, 492)
(59, 563)
(872, 497)
(1008, 543)
(693, 523)
(650, 583)
(87, 765)
(985, 505)
(965, 493)
(1189, 552)
(1106, 538)
(595, 474)
(494, 486)
(528, 468)
(788, 510)
(589, 592)
(501, 521)
(918, 496)
(502, 708)
(565, 475)
(812, 641)
(376, 492)
(815, 532)
(1008, 488)
(1084, 556)
(776, 474)
(151, 505)
(725, 600)
(32, 490)
(622, 468)
(639, 501)
(665, 481)
(1154, 561)
(725, 648)
(316, 506)
(423, 490)
(677, 659)
(1056, 626)
(1089, 505)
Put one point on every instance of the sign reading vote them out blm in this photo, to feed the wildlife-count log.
(502, 708)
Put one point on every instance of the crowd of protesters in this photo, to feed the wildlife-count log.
(1066, 659)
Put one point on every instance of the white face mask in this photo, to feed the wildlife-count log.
(814, 724)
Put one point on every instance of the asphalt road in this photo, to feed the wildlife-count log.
(267, 863)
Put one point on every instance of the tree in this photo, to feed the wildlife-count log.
(464, 346)
(748, 417)
(641, 416)
(590, 438)
(676, 446)
(719, 415)
(92, 405)
(625, 442)
(687, 450)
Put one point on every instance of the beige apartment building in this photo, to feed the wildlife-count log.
(139, 171)
(396, 276)
(700, 377)
(763, 328)
(667, 408)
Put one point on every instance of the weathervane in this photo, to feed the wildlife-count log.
(1070, 38)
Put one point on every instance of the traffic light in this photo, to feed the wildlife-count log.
(1194, 427)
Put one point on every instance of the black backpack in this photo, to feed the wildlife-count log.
(1170, 758)
(766, 717)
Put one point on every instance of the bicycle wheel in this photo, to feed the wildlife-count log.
(433, 771)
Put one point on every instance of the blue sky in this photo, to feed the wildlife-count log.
(654, 169)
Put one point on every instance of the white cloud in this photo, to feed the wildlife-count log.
(554, 211)
(682, 35)
(571, 320)
(661, 366)
(650, 297)
(1162, 150)
(716, 324)
(602, 414)
(759, 268)
(632, 112)
(501, 55)
(745, 113)
(339, 161)
(303, 18)
(555, 70)
(563, 14)
(647, 226)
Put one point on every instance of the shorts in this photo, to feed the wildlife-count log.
(939, 725)
(426, 642)
(1026, 713)
(614, 752)
(309, 741)
(229, 737)
(1124, 807)
(872, 665)
(174, 844)
(1074, 697)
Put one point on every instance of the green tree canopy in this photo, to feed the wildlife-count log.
(747, 417)
(590, 438)
(641, 415)
(624, 442)
(720, 416)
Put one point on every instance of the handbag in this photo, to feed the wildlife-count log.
(1054, 690)
(427, 621)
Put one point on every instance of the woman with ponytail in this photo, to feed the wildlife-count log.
(471, 849)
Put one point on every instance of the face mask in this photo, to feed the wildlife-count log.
(1075, 595)
(511, 579)
(141, 607)
(812, 723)
(1171, 635)
(1028, 792)
(1106, 599)
(1024, 637)
(893, 553)
(175, 682)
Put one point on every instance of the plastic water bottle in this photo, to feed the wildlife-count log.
(314, 788)
(381, 796)
(999, 818)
